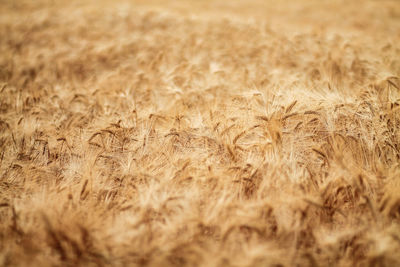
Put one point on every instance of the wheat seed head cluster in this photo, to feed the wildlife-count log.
(199, 133)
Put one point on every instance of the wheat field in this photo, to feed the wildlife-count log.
(200, 133)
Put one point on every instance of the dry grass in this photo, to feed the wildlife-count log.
(214, 133)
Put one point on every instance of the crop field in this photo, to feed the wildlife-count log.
(200, 133)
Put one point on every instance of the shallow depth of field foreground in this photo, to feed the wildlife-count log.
(211, 133)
